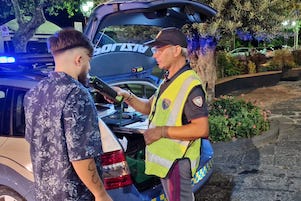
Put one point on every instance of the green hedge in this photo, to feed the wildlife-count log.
(228, 65)
(232, 118)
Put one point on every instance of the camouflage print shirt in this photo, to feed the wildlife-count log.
(61, 126)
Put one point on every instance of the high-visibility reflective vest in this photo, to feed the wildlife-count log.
(161, 154)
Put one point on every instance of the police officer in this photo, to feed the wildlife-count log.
(178, 117)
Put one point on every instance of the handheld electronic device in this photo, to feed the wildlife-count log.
(105, 89)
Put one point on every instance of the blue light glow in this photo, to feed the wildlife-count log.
(6, 59)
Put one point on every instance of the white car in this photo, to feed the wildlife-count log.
(269, 52)
(243, 52)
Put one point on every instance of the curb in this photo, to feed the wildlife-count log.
(269, 136)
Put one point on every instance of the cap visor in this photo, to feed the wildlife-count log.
(154, 43)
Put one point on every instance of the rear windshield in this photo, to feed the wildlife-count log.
(125, 34)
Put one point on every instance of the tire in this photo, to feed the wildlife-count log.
(8, 194)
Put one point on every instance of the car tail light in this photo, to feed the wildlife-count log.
(116, 172)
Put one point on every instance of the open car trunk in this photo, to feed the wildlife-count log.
(127, 126)
(135, 154)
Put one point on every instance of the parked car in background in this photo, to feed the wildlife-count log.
(33, 47)
(287, 47)
(267, 51)
(121, 61)
(243, 52)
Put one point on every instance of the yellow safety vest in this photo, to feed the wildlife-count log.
(161, 154)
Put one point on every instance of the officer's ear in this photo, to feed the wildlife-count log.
(177, 50)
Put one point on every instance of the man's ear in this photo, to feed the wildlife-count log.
(78, 59)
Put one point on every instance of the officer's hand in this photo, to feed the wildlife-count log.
(153, 134)
(122, 92)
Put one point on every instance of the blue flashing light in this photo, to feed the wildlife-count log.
(7, 59)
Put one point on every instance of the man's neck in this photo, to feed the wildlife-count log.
(68, 71)
(175, 68)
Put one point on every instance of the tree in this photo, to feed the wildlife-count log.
(30, 14)
(258, 17)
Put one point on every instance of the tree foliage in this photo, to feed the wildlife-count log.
(5, 9)
(30, 14)
(261, 18)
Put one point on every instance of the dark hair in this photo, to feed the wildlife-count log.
(66, 39)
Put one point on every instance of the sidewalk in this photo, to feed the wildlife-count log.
(264, 168)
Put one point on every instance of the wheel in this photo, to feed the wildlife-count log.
(8, 194)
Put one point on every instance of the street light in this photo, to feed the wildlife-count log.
(295, 26)
(285, 23)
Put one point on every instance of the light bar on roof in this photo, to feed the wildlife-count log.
(7, 59)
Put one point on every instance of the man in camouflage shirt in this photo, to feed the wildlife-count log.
(62, 125)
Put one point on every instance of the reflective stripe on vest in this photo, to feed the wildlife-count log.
(161, 154)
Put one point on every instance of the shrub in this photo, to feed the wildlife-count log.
(251, 67)
(269, 67)
(228, 65)
(232, 118)
(258, 59)
(283, 60)
(297, 56)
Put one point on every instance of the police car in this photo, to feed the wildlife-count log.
(118, 60)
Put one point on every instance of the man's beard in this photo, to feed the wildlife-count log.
(83, 78)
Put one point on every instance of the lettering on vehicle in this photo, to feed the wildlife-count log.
(121, 47)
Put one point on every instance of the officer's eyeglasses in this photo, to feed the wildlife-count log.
(160, 49)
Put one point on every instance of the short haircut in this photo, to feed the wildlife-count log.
(68, 38)
(184, 52)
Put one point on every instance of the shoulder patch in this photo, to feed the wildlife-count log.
(165, 103)
(198, 101)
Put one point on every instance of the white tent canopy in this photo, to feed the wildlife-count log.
(46, 28)
(43, 32)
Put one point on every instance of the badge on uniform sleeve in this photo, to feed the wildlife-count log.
(198, 101)
(165, 103)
